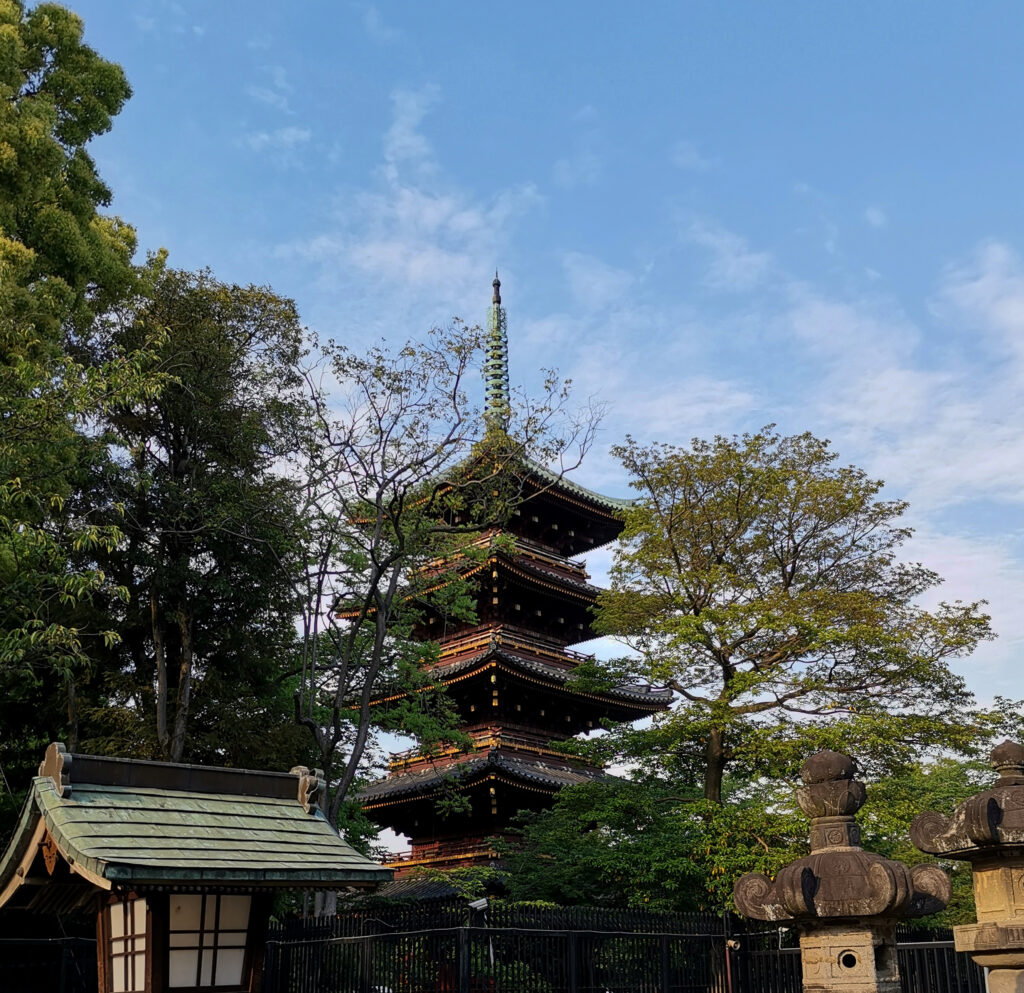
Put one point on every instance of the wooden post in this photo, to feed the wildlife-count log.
(462, 960)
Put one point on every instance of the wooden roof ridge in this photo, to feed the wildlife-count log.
(136, 774)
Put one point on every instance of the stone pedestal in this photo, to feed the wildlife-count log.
(988, 831)
(845, 901)
(850, 959)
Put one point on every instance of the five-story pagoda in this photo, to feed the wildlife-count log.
(508, 673)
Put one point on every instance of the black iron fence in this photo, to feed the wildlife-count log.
(497, 960)
(56, 965)
(371, 954)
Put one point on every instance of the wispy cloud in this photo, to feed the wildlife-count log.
(404, 143)
(685, 155)
(986, 294)
(735, 266)
(594, 284)
(375, 27)
(417, 246)
(274, 92)
(281, 139)
(876, 217)
(582, 168)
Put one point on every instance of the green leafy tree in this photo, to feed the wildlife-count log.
(764, 584)
(406, 483)
(213, 537)
(62, 262)
(649, 843)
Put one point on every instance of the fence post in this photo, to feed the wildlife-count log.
(666, 978)
(573, 954)
(462, 959)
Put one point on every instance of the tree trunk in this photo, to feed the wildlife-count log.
(184, 685)
(160, 656)
(714, 757)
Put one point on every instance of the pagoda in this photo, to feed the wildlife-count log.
(509, 673)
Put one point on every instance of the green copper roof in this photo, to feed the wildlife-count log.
(562, 482)
(138, 834)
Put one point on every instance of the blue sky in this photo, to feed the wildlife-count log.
(709, 215)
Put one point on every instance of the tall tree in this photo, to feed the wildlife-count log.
(213, 540)
(763, 583)
(406, 480)
(62, 262)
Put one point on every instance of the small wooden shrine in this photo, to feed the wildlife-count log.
(179, 863)
(509, 673)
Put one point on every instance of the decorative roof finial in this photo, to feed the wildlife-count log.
(496, 390)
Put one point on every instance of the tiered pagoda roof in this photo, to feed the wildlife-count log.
(510, 674)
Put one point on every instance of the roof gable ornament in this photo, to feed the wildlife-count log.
(312, 786)
(56, 765)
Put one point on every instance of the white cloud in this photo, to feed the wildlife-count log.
(404, 143)
(974, 568)
(987, 293)
(282, 138)
(376, 29)
(583, 168)
(276, 93)
(876, 217)
(417, 247)
(686, 156)
(734, 267)
(594, 284)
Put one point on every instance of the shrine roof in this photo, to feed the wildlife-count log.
(656, 697)
(560, 481)
(122, 822)
(529, 770)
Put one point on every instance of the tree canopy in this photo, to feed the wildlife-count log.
(764, 583)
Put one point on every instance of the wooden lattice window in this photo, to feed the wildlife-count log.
(126, 927)
(207, 945)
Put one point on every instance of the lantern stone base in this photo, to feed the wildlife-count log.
(842, 959)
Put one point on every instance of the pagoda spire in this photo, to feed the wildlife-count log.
(497, 401)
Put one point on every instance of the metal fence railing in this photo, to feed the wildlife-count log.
(495, 960)
(373, 954)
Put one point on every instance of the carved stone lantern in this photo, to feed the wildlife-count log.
(988, 831)
(845, 901)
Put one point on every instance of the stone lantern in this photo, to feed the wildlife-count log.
(988, 831)
(845, 901)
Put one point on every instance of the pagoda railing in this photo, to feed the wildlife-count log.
(481, 740)
(509, 636)
(521, 547)
(437, 852)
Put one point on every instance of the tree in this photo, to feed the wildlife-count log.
(62, 262)
(406, 481)
(646, 842)
(213, 538)
(762, 582)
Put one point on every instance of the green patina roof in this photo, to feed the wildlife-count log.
(561, 481)
(140, 834)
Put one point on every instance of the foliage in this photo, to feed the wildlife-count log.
(62, 262)
(406, 482)
(763, 583)
(642, 843)
(212, 529)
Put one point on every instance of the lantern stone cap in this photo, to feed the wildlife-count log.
(988, 824)
(118, 823)
(840, 881)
